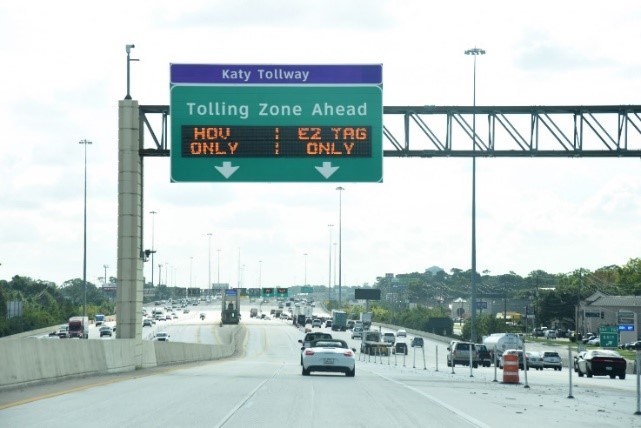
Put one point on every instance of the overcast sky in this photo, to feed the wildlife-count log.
(64, 70)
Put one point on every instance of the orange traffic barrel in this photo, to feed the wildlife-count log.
(510, 368)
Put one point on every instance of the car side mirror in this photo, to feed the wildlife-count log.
(302, 348)
(300, 340)
(354, 350)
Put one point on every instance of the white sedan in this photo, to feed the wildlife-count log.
(329, 355)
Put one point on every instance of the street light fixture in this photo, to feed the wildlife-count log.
(474, 52)
(340, 242)
(84, 245)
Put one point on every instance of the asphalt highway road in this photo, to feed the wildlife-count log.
(263, 386)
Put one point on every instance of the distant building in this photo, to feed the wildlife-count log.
(602, 310)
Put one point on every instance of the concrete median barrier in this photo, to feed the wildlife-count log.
(28, 361)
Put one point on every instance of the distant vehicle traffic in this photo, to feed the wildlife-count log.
(502, 342)
(105, 330)
(79, 327)
(551, 360)
(534, 360)
(329, 355)
(100, 318)
(417, 342)
(63, 331)
(600, 362)
(485, 356)
(373, 344)
(339, 320)
(401, 333)
(400, 348)
(523, 363)
(162, 336)
(306, 342)
(389, 337)
(357, 333)
(462, 353)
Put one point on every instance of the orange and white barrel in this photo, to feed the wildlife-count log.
(510, 368)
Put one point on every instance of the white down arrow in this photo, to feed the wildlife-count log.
(327, 170)
(227, 169)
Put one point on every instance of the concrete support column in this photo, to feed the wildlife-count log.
(130, 263)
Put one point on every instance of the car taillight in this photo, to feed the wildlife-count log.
(606, 360)
(309, 352)
(348, 353)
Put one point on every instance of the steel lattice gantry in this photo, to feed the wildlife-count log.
(501, 131)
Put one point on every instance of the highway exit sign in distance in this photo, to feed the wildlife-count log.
(253, 123)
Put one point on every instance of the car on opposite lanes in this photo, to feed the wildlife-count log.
(162, 336)
(534, 360)
(460, 353)
(551, 360)
(600, 362)
(401, 333)
(329, 355)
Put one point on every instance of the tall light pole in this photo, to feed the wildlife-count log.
(191, 269)
(329, 278)
(84, 244)
(105, 266)
(340, 242)
(474, 52)
(305, 282)
(218, 276)
(209, 259)
(335, 262)
(260, 273)
(153, 226)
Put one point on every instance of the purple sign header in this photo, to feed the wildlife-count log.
(273, 74)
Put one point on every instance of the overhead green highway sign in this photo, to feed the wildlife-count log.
(301, 128)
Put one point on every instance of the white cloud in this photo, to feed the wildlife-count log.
(62, 83)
